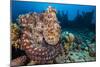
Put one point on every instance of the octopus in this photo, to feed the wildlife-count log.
(39, 38)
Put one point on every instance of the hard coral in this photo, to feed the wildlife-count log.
(68, 39)
(15, 35)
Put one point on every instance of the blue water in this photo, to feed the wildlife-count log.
(22, 7)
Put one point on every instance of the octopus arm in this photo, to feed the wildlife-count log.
(18, 61)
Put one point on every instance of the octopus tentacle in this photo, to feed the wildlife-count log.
(18, 61)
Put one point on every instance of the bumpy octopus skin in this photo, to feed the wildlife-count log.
(51, 33)
(40, 54)
(41, 41)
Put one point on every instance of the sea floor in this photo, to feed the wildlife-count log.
(76, 56)
(83, 54)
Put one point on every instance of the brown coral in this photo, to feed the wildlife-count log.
(15, 35)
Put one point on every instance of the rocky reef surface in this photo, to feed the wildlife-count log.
(83, 48)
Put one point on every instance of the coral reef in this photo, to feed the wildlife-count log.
(43, 40)
(15, 35)
(92, 50)
(67, 39)
(67, 42)
(82, 48)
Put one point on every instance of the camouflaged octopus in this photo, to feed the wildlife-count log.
(40, 37)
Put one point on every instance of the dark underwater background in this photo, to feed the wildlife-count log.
(77, 19)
